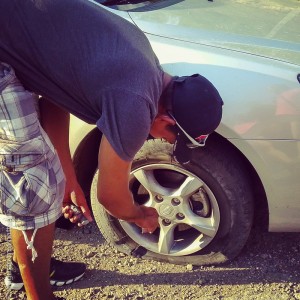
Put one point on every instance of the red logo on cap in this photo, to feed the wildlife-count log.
(202, 137)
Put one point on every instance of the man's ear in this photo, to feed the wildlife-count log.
(166, 119)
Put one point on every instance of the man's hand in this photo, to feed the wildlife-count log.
(74, 195)
(148, 220)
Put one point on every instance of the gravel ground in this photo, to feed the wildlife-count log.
(268, 268)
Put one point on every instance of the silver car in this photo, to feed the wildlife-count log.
(249, 171)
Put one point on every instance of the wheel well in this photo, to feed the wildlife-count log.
(261, 211)
(85, 160)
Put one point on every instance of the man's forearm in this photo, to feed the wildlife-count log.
(113, 189)
(114, 193)
(122, 207)
(56, 121)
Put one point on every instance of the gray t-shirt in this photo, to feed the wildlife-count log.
(94, 64)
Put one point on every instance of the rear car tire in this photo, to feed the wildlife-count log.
(205, 206)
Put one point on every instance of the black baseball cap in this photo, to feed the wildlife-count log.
(197, 110)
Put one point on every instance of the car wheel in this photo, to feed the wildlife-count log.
(205, 207)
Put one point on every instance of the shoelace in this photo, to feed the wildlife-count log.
(30, 244)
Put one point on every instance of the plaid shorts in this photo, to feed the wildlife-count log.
(32, 181)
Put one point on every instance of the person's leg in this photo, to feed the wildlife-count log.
(32, 187)
(24, 182)
(35, 274)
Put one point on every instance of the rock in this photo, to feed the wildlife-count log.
(90, 254)
(297, 296)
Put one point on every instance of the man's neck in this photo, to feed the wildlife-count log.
(163, 101)
(166, 80)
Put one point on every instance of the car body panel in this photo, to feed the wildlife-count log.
(261, 96)
(241, 79)
(274, 162)
(78, 130)
(269, 29)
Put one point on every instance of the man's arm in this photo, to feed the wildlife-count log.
(56, 121)
(114, 193)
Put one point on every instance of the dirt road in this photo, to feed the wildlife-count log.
(268, 268)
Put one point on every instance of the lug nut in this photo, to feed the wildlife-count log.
(175, 201)
(166, 222)
(159, 198)
(180, 216)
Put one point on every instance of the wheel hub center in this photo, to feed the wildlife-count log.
(166, 211)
